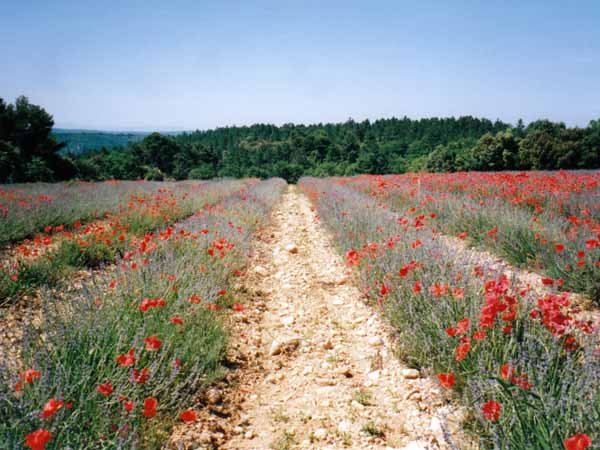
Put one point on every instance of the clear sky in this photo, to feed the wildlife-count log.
(171, 65)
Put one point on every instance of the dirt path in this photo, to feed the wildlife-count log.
(330, 378)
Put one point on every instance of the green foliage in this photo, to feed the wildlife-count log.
(290, 151)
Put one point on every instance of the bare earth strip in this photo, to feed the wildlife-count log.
(331, 380)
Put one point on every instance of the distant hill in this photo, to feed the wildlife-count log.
(81, 141)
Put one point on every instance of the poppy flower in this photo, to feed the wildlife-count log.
(506, 372)
(447, 380)
(438, 290)
(37, 440)
(578, 441)
(188, 416)
(352, 258)
(238, 307)
(417, 287)
(128, 406)
(150, 405)
(105, 389)
(491, 410)
(141, 376)
(194, 299)
(51, 407)
(176, 320)
(547, 281)
(28, 376)
(479, 335)
(152, 343)
(559, 248)
(461, 351)
(127, 359)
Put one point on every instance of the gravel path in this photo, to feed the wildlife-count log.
(330, 379)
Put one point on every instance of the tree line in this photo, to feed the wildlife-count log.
(28, 152)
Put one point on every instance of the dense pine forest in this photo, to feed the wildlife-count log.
(30, 152)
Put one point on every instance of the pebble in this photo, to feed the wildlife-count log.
(213, 396)
(320, 433)
(410, 374)
(278, 346)
(291, 248)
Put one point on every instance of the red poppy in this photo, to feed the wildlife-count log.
(417, 287)
(188, 416)
(506, 371)
(578, 441)
(38, 439)
(150, 405)
(447, 380)
(461, 351)
(463, 235)
(238, 307)
(547, 281)
(479, 335)
(194, 299)
(28, 376)
(105, 389)
(127, 359)
(141, 376)
(176, 320)
(559, 248)
(491, 410)
(152, 343)
(352, 258)
(438, 290)
(128, 406)
(51, 407)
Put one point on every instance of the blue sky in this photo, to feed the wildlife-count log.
(171, 65)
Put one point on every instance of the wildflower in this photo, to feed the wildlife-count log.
(105, 389)
(491, 410)
(578, 441)
(37, 440)
(458, 292)
(479, 335)
(238, 307)
(547, 281)
(417, 287)
(28, 376)
(51, 407)
(559, 248)
(127, 359)
(128, 406)
(152, 343)
(188, 416)
(384, 290)
(438, 290)
(141, 376)
(447, 380)
(176, 320)
(194, 299)
(462, 351)
(463, 235)
(506, 372)
(150, 405)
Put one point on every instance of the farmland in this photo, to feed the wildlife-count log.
(398, 311)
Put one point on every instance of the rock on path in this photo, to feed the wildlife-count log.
(330, 378)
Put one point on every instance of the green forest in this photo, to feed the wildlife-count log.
(29, 151)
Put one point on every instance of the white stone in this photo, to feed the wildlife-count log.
(320, 433)
(344, 426)
(410, 374)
